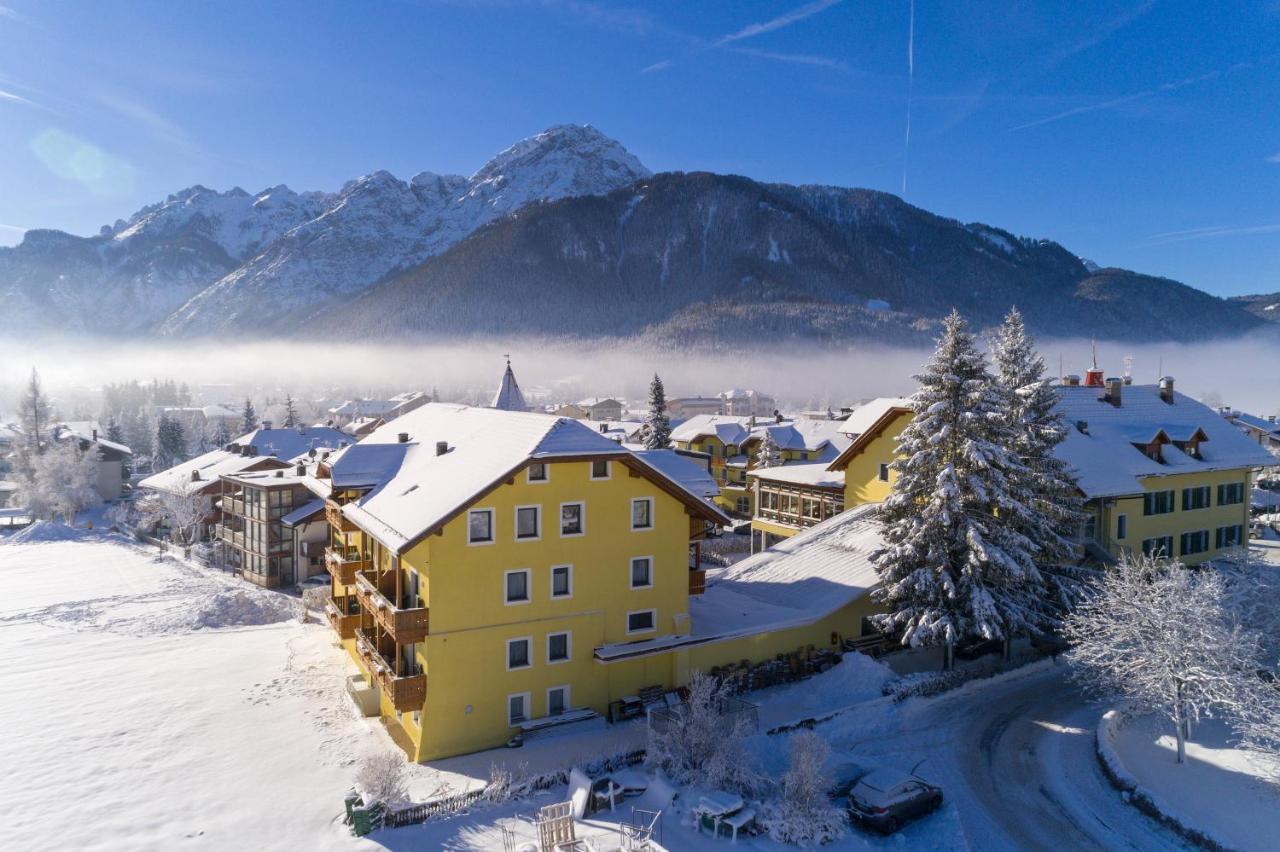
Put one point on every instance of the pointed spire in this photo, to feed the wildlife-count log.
(509, 397)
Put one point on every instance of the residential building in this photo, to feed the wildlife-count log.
(1159, 471)
(484, 556)
(601, 408)
(682, 408)
(1264, 430)
(253, 539)
(112, 457)
(739, 402)
(872, 430)
(790, 498)
(262, 449)
(386, 409)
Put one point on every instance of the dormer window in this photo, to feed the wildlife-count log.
(1151, 451)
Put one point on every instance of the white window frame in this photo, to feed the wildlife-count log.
(528, 708)
(631, 577)
(528, 587)
(551, 587)
(653, 523)
(582, 518)
(493, 527)
(568, 647)
(608, 470)
(653, 629)
(546, 471)
(528, 640)
(537, 507)
(551, 689)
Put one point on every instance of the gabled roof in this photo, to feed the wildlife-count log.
(867, 423)
(84, 430)
(729, 429)
(866, 415)
(509, 397)
(1260, 424)
(282, 444)
(814, 474)
(691, 473)
(1105, 460)
(418, 490)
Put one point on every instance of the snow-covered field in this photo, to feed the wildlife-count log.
(1218, 789)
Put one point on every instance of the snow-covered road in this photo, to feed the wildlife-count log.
(1016, 760)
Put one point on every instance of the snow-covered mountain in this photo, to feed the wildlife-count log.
(203, 261)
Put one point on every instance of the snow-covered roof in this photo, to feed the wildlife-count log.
(796, 582)
(89, 432)
(422, 489)
(221, 411)
(814, 474)
(593, 401)
(730, 430)
(868, 414)
(1261, 424)
(283, 444)
(509, 397)
(691, 473)
(1105, 460)
(300, 514)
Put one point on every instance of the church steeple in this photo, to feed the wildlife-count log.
(508, 397)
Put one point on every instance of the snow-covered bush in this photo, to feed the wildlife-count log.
(380, 778)
(697, 743)
(313, 600)
(804, 814)
(181, 511)
(60, 482)
(506, 783)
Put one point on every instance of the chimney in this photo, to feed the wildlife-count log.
(1128, 379)
(604, 427)
(1082, 426)
(301, 469)
(266, 424)
(195, 476)
(95, 436)
(777, 416)
(403, 437)
(1271, 418)
(279, 474)
(1093, 378)
(442, 447)
(244, 451)
(1071, 381)
(1113, 391)
(1166, 389)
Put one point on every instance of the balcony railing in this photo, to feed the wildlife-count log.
(408, 624)
(232, 506)
(233, 537)
(405, 692)
(333, 514)
(343, 563)
(344, 625)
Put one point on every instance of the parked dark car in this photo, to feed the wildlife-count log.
(844, 776)
(975, 648)
(887, 799)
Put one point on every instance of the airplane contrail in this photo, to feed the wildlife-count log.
(911, 73)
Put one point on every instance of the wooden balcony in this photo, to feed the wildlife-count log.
(232, 506)
(333, 514)
(376, 593)
(343, 564)
(697, 581)
(344, 625)
(232, 537)
(405, 692)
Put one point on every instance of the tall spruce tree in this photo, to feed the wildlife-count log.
(35, 417)
(290, 412)
(657, 425)
(769, 455)
(249, 418)
(221, 435)
(171, 442)
(951, 568)
(1055, 508)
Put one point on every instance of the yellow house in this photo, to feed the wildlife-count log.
(480, 557)
(1159, 471)
(790, 498)
(873, 430)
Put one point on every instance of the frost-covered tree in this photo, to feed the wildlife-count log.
(171, 442)
(1161, 636)
(697, 743)
(953, 566)
(221, 435)
(657, 425)
(114, 432)
(804, 814)
(248, 418)
(179, 511)
(34, 419)
(1054, 507)
(380, 778)
(61, 481)
(290, 412)
(769, 455)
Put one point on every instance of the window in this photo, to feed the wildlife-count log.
(518, 654)
(1122, 526)
(1231, 494)
(743, 505)
(518, 708)
(557, 700)
(642, 572)
(600, 469)
(559, 647)
(1195, 498)
(517, 586)
(528, 523)
(642, 621)
(884, 471)
(571, 519)
(1089, 528)
(642, 513)
(1232, 536)
(1157, 503)
(480, 526)
(538, 472)
(1195, 542)
(1161, 546)
(561, 581)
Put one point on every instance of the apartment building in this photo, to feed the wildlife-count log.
(253, 538)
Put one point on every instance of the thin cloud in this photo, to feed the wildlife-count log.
(794, 16)
(1274, 158)
(911, 78)
(160, 126)
(17, 228)
(796, 58)
(1112, 103)
(1100, 35)
(1214, 231)
(657, 66)
(10, 96)
(11, 14)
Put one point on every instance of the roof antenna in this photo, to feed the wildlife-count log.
(1061, 369)
(1128, 369)
(1160, 369)
(1094, 345)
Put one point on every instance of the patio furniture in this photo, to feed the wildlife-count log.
(638, 833)
(555, 827)
(744, 820)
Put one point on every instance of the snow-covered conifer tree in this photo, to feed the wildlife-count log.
(249, 418)
(952, 568)
(171, 442)
(769, 455)
(1160, 635)
(657, 425)
(290, 412)
(221, 436)
(1054, 508)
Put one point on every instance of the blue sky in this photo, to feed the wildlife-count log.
(1139, 134)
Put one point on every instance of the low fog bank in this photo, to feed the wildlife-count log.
(1241, 373)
